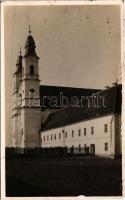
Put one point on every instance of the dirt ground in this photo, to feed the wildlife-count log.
(64, 176)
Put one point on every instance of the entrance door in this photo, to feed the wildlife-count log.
(92, 149)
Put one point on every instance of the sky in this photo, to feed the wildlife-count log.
(78, 46)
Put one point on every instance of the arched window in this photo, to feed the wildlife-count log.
(31, 69)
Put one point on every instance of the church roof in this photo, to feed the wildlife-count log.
(56, 91)
(69, 116)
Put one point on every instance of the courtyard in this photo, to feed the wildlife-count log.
(63, 176)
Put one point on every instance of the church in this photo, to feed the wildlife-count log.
(80, 119)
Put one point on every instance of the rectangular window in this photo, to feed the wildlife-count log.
(59, 135)
(47, 138)
(66, 134)
(44, 138)
(51, 137)
(84, 131)
(55, 136)
(72, 133)
(105, 128)
(106, 146)
(92, 130)
(79, 132)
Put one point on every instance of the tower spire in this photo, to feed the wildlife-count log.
(19, 61)
(30, 45)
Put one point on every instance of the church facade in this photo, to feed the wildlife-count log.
(40, 120)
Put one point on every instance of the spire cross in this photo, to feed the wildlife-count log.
(20, 51)
(29, 29)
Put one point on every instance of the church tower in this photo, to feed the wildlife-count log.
(17, 77)
(27, 120)
(31, 110)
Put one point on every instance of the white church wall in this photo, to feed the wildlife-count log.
(27, 86)
(31, 127)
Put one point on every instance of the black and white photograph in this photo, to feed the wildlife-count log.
(63, 99)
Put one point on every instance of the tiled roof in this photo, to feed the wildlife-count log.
(55, 91)
(72, 115)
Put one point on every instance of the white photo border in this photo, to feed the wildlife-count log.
(58, 2)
